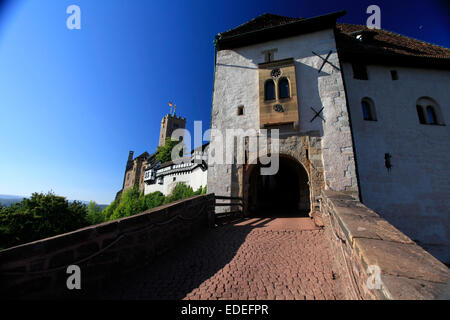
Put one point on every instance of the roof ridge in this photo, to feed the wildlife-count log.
(266, 14)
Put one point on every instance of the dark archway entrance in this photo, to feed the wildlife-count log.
(284, 194)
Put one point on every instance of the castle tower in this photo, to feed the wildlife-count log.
(169, 124)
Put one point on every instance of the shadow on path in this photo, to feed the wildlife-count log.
(257, 258)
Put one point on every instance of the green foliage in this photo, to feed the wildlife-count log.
(180, 191)
(130, 203)
(133, 202)
(41, 216)
(94, 213)
(109, 210)
(46, 215)
(153, 200)
(164, 153)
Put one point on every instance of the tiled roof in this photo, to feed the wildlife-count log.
(377, 42)
(383, 42)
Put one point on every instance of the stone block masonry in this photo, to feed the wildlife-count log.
(38, 269)
(364, 243)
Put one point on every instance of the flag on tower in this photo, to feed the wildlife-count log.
(172, 107)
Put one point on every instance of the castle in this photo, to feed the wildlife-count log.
(358, 110)
(135, 168)
(149, 175)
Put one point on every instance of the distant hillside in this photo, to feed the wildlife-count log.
(7, 200)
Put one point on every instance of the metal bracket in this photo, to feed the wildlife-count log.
(326, 61)
(317, 114)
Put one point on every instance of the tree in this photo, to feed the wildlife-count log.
(164, 153)
(94, 214)
(40, 216)
(109, 210)
(129, 204)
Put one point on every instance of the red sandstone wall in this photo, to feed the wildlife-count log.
(38, 269)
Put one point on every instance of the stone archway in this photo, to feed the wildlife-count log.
(284, 194)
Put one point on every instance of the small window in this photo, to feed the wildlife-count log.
(283, 88)
(431, 115)
(269, 90)
(174, 178)
(368, 109)
(420, 114)
(360, 71)
(240, 111)
(429, 112)
(394, 75)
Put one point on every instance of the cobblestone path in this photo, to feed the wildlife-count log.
(265, 258)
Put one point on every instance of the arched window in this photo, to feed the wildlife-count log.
(368, 109)
(269, 90)
(283, 88)
(428, 111)
(420, 114)
(431, 115)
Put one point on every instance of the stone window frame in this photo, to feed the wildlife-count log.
(274, 90)
(278, 88)
(424, 105)
(268, 114)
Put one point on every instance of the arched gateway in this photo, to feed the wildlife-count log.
(285, 193)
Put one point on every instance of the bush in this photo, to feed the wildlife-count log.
(131, 202)
(180, 191)
(153, 200)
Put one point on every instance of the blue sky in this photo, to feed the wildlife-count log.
(74, 102)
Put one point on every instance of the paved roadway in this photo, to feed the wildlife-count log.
(260, 258)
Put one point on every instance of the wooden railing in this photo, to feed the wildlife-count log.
(231, 215)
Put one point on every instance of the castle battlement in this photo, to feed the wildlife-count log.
(173, 116)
